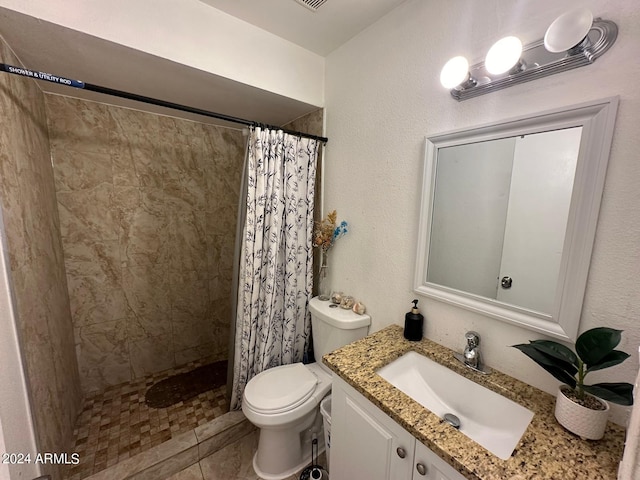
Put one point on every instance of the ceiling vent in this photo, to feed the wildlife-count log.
(312, 5)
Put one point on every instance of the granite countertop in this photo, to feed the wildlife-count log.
(545, 451)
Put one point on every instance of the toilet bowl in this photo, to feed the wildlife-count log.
(284, 402)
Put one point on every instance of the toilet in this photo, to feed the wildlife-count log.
(284, 402)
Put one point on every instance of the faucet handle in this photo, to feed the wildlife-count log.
(472, 338)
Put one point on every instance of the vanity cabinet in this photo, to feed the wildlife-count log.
(367, 444)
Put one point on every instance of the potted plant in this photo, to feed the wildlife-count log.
(581, 408)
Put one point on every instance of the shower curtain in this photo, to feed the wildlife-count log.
(273, 323)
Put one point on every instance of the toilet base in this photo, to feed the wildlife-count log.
(305, 461)
(279, 455)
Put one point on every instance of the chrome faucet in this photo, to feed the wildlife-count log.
(472, 350)
(471, 356)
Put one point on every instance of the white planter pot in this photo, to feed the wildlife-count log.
(582, 421)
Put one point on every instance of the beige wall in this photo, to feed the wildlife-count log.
(148, 209)
(36, 262)
(383, 96)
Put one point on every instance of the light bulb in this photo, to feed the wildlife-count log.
(503, 55)
(454, 72)
(568, 30)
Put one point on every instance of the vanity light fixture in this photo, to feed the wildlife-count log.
(573, 40)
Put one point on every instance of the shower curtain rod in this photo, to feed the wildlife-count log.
(25, 72)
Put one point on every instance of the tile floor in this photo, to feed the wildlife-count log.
(233, 462)
(117, 424)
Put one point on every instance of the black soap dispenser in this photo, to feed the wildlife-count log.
(413, 323)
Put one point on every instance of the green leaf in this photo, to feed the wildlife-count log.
(595, 344)
(614, 358)
(620, 393)
(538, 353)
(555, 367)
(556, 350)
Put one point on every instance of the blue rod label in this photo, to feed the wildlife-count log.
(25, 72)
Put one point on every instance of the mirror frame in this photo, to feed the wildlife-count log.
(597, 119)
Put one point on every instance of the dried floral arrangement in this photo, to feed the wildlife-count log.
(328, 231)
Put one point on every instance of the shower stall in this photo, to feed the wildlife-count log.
(147, 208)
(120, 229)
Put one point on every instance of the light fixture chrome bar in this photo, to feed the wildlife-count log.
(538, 62)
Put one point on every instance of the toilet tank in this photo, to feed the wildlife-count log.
(334, 327)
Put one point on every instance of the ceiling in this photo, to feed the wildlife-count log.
(47, 48)
(322, 31)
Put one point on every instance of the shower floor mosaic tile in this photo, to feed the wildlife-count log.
(117, 424)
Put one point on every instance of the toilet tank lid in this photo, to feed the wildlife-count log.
(345, 319)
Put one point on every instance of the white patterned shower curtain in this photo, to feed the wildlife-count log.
(273, 323)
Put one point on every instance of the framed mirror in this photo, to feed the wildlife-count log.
(509, 213)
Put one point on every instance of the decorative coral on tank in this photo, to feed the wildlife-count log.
(326, 232)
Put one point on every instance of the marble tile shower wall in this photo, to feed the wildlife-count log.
(36, 262)
(148, 208)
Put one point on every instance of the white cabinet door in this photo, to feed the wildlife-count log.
(428, 466)
(366, 443)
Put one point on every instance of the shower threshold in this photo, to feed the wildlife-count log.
(181, 452)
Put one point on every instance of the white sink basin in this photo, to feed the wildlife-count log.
(493, 421)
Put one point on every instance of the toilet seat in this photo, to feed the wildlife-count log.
(280, 389)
